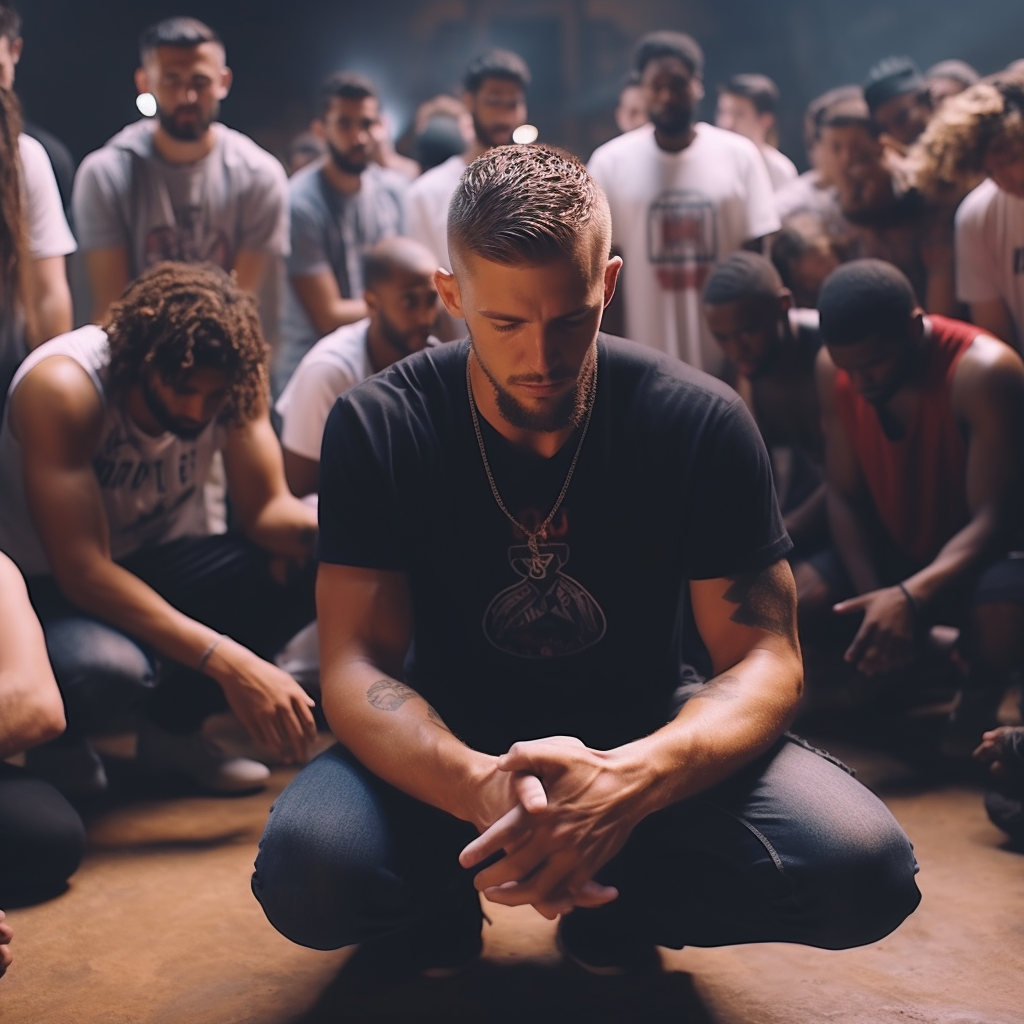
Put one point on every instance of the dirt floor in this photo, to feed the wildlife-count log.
(159, 927)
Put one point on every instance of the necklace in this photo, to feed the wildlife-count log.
(538, 562)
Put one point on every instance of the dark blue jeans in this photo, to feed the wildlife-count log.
(790, 849)
(222, 581)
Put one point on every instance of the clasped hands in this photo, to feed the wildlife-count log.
(575, 808)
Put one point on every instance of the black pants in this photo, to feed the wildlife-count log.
(42, 839)
(222, 581)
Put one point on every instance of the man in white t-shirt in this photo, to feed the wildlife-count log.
(494, 94)
(682, 197)
(401, 301)
(746, 105)
(181, 186)
(989, 224)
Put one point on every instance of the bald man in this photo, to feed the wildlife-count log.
(402, 303)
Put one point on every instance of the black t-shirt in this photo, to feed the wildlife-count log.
(672, 484)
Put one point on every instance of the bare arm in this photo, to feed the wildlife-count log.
(302, 474)
(365, 623)
(846, 499)
(249, 270)
(988, 396)
(268, 513)
(57, 416)
(31, 711)
(994, 318)
(322, 300)
(48, 300)
(107, 270)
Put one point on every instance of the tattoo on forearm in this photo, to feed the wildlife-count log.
(720, 688)
(766, 600)
(390, 695)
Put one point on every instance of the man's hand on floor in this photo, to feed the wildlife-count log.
(553, 853)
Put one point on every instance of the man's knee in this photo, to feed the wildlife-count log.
(102, 673)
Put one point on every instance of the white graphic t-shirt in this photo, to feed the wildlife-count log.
(151, 486)
(674, 215)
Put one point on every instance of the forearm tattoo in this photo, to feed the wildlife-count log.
(720, 688)
(390, 695)
(766, 600)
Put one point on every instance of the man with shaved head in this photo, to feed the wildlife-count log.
(523, 535)
(402, 302)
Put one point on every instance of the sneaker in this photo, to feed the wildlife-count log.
(198, 759)
(75, 769)
(598, 942)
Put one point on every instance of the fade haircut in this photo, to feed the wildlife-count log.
(344, 85)
(669, 44)
(10, 22)
(176, 318)
(496, 63)
(865, 298)
(950, 154)
(183, 33)
(744, 275)
(524, 206)
(759, 89)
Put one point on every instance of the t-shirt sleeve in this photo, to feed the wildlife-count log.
(265, 224)
(306, 404)
(762, 215)
(976, 277)
(360, 523)
(309, 253)
(734, 524)
(101, 180)
(48, 231)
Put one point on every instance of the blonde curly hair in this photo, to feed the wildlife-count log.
(949, 157)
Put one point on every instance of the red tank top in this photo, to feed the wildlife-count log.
(918, 483)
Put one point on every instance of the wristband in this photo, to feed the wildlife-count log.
(211, 647)
(915, 608)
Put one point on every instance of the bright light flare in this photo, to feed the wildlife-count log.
(525, 134)
(146, 102)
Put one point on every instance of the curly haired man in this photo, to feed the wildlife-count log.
(106, 441)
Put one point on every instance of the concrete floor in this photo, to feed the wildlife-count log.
(159, 927)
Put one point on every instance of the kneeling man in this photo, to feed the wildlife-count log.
(522, 535)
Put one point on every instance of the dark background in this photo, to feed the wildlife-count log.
(76, 74)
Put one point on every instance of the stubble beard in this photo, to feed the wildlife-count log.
(570, 412)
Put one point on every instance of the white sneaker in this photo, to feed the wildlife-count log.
(73, 768)
(199, 760)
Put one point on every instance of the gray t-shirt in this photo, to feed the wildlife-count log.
(332, 232)
(234, 199)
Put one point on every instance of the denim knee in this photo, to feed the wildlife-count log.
(103, 675)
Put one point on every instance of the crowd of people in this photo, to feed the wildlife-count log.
(341, 445)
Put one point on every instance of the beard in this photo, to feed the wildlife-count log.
(346, 163)
(570, 411)
(673, 123)
(489, 137)
(186, 429)
(402, 342)
(190, 130)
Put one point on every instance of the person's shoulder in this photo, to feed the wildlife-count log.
(658, 384)
(420, 385)
(388, 177)
(639, 140)
(976, 205)
(345, 346)
(114, 157)
(33, 155)
(723, 142)
(439, 180)
(240, 151)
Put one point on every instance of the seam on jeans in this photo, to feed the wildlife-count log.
(776, 859)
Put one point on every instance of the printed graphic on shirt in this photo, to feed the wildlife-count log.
(548, 614)
(682, 239)
(188, 241)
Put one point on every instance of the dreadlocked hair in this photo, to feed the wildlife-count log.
(13, 243)
(949, 156)
(180, 317)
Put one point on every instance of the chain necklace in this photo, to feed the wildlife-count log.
(538, 562)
